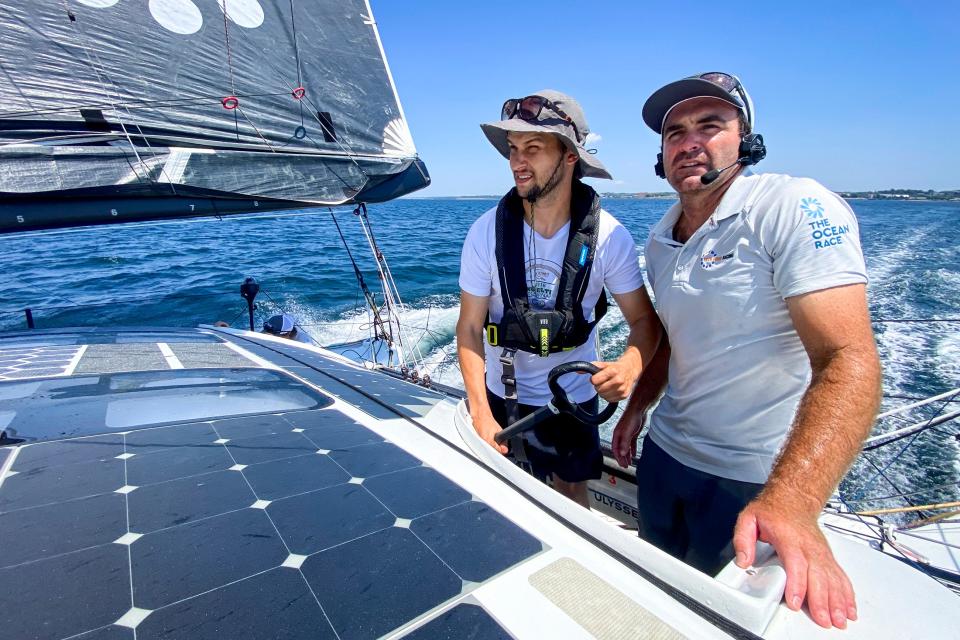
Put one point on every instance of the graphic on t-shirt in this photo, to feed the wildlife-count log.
(543, 276)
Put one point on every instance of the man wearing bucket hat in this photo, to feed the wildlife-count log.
(533, 276)
(769, 373)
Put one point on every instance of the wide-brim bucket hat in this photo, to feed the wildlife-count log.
(550, 122)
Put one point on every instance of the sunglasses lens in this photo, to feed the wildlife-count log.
(723, 80)
(530, 107)
(509, 109)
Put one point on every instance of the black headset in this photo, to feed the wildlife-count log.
(752, 150)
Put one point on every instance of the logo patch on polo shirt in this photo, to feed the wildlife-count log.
(824, 233)
(712, 259)
(811, 207)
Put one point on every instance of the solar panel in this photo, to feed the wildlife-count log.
(275, 604)
(462, 621)
(378, 582)
(292, 525)
(175, 563)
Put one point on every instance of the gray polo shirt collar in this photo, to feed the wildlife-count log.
(735, 200)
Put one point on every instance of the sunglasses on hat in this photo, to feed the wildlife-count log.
(732, 85)
(529, 108)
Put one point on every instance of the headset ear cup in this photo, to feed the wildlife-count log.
(752, 149)
(658, 168)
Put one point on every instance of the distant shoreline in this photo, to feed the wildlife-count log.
(890, 194)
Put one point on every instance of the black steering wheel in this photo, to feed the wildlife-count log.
(561, 402)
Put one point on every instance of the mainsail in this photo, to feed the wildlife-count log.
(121, 110)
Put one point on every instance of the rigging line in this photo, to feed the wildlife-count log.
(879, 473)
(296, 45)
(163, 164)
(371, 302)
(316, 115)
(388, 300)
(134, 104)
(90, 58)
(920, 320)
(943, 432)
(389, 286)
(380, 256)
(884, 541)
(237, 317)
(226, 37)
(908, 493)
(250, 122)
(949, 395)
(922, 507)
(907, 397)
(934, 540)
(280, 307)
(20, 92)
(937, 419)
(114, 100)
(296, 52)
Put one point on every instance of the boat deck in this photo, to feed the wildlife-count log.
(189, 484)
(203, 483)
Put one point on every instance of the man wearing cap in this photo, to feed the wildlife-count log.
(547, 251)
(769, 373)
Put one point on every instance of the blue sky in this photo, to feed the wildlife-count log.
(859, 95)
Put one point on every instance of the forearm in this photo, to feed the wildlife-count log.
(642, 342)
(835, 415)
(473, 369)
(652, 381)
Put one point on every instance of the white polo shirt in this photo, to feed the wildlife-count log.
(737, 366)
(616, 266)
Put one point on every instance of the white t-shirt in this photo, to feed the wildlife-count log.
(737, 366)
(615, 266)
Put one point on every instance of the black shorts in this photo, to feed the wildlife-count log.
(564, 446)
(688, 513)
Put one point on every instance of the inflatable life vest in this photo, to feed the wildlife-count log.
(564, 327)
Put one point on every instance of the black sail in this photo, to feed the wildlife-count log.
(121, 110)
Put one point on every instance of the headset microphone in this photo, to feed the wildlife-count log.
(713, 174)
(752, 150)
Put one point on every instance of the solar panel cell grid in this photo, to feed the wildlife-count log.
(281, 526)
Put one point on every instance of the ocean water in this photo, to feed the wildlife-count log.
(188, 272)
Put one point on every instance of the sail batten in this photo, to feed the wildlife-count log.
(289, 103)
